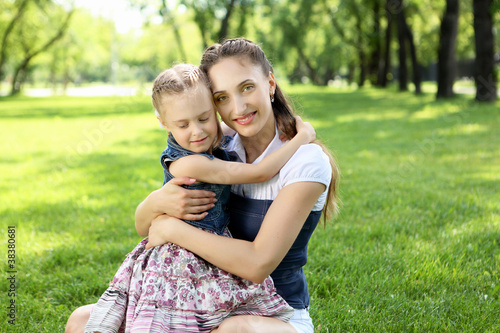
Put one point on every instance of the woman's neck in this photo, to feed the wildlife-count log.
(257, 144)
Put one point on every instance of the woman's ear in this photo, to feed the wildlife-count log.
(272, 83)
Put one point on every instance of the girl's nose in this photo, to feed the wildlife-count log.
(197, 129)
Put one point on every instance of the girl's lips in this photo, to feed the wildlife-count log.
(199, 141)
(246, 119)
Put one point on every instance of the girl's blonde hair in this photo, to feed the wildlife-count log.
(282, 109)
(180, 79)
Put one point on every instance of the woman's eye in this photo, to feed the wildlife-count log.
(183, 126)
(220, 99)
(204, 119)
(249, 87)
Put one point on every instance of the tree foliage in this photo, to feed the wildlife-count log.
(315, 41)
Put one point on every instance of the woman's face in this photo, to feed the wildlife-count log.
(242, 95)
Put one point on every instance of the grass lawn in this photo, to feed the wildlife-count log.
(416, 247)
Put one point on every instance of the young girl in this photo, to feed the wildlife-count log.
(167, 288)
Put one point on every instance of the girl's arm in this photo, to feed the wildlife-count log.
(224, 172)
(255, 260)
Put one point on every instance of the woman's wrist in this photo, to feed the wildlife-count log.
(154, 200)
(170, 227)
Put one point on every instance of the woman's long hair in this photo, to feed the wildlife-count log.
(282, 109)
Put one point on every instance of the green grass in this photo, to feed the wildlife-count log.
(416, 247)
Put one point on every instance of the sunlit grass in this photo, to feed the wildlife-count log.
(416, 246)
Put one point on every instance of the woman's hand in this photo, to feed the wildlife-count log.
(177, 201)
(173, 200)
(305, 129)
(159, 230)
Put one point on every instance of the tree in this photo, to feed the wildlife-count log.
(84, 53)
(383, 77)
(168, 18)
(352, 21)
(484, 41)
(207, 13)
(405, 35)
(19, 8)
(397, 10)
(446, 54)
(375, 64)
(225, 21)
(31, 49)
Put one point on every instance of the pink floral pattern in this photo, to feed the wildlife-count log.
(170, 289)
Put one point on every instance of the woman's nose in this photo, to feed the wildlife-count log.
(240, 106)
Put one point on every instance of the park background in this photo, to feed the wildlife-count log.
(415, 129)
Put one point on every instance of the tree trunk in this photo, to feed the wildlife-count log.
(484, 75)
(310, 68)
(167, 19)
(350, 72)
(403, 70)
(446, 54)
(362, 68)
(5, 37)
(20, 72)
(244, 15)
(382, 78)
(201, 21)
(375, 65)
(447, 66)
(413, 53)
(225, 21)
(19, 76)
(360, 47)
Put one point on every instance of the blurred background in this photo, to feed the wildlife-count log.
(92, 47)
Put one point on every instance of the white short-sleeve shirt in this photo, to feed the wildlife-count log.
(308, 164)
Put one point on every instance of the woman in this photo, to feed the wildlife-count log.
(272, 221)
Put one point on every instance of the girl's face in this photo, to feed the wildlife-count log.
(242, 95)
(191, 119)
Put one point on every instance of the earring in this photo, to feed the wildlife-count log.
(272, 98)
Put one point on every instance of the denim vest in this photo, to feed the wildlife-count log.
(289, 278)
(218, 216)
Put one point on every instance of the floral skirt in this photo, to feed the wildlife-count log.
(169, 289)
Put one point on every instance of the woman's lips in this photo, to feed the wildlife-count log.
(245, 120)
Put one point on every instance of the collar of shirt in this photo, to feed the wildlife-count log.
(237, 146)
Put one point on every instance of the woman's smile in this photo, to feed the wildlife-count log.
(247, 119)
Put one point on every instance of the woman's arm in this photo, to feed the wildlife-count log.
(173, 200)
(224, 172)
(255, 260)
